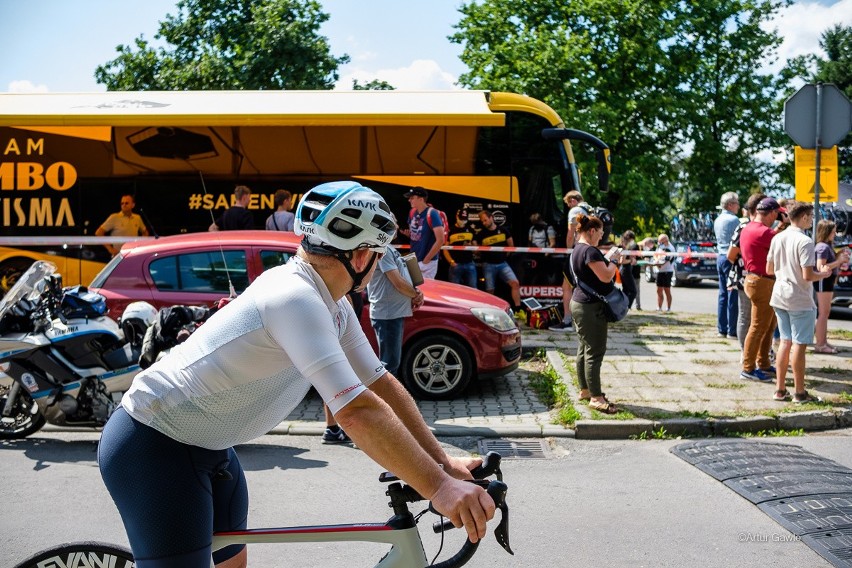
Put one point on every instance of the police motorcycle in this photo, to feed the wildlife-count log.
(63, 360)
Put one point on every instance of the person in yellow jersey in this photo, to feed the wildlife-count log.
(494, 262)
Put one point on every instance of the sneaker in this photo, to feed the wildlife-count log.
(770, 370)
(756, 375)
(732, 336)
(722, 335)
(335, 435)
(782, 396)
(563, 326)
(801, 398)
(521, 316)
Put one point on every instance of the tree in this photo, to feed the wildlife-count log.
(644, 77)
(230, 44)
(727, 108)
(374, 85)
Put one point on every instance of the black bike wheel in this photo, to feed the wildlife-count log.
(81, 554)
(25, 419)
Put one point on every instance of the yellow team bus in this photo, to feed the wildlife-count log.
(67, 159)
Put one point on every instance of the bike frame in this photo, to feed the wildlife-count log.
(406, 546)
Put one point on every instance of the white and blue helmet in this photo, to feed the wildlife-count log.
(345, 216)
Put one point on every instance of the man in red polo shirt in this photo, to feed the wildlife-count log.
(754, 246)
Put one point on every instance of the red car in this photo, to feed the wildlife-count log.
(458, 334)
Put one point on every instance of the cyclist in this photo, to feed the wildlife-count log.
(167, 457)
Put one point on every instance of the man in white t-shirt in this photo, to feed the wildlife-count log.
(791, 260)
(167, 456)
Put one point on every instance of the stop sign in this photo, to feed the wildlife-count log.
(800, 119)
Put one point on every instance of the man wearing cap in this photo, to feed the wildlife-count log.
(426, 231)
(754, 246)
(724, 226)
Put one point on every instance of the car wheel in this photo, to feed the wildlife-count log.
(11, 270)
(436, 367)
(649, 274)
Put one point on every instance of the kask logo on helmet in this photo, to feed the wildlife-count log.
(362, 204)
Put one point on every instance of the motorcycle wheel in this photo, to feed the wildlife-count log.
(25, 418)
(75, 553)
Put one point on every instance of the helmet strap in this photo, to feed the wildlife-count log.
(345, 258)
(357, 277)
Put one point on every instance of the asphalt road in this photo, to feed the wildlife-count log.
(702, 299)
(604, 503)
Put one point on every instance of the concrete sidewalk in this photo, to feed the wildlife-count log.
(667, 372)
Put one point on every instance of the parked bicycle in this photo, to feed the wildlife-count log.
(400, 531)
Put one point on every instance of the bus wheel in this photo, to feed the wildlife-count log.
(11, 270)
(436, 367)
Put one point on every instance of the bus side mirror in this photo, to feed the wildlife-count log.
(602, 154)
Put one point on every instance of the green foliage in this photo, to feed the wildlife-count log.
(674, 88)
(374, 85)
(229, 44)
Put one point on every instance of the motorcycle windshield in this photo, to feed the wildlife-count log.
(30, 285)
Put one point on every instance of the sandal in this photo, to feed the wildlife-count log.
(605, 407)
(804, 397)
(826, 349)
(782, 396)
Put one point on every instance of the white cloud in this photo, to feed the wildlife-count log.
(801, 24)
(25, 86)
(421, 75)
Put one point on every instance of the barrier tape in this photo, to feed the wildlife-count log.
(95, 240)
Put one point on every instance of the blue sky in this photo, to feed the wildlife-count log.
(55, 45)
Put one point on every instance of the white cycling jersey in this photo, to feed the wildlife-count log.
(253, 361)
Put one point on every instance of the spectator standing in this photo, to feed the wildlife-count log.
(754, 245)
(791, 261)
(281, 219)
(595, 271)
(462, 267)
(665, 271)
(541, 235)
(125, 223)
(575, 205)
(392, 299)
(736, 276)
(629, 269)
(824, 288)
(724, 226)
(237, 216)
(426, 231)
(494, 262)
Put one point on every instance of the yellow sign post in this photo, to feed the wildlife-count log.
(806, 175)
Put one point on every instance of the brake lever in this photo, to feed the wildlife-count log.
(497, 490)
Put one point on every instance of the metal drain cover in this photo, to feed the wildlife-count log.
(512, 449)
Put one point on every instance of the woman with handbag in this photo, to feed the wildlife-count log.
(593, 275)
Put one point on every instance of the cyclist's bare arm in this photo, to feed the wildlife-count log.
(376, 429)
(392, 392)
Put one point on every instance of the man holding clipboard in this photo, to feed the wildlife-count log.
(393, 296)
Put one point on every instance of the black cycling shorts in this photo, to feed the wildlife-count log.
(172, 497)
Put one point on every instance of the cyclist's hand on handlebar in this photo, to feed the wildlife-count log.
(460, 467)
(464, 504)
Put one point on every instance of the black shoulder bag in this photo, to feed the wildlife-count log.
(615, 303)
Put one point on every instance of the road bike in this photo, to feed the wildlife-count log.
(400, 531)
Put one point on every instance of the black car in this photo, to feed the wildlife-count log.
(689, 269)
